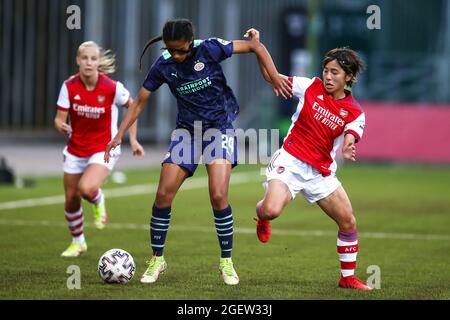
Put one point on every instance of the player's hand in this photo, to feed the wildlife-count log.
(64, 128)
(111, 146)
(349, 151)
(252, 33)
(282, 86)
(138, 150)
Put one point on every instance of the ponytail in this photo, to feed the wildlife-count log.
(107, 62)
(148, 44)
(179, 29)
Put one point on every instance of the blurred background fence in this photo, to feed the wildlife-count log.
(408, 58)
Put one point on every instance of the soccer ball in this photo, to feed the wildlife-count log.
(116, 266)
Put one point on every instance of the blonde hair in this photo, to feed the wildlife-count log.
(107, 57)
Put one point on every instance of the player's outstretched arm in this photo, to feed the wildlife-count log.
(253, 34)
(136, 147)
(349, 147)
(130, 117)
(280, 85)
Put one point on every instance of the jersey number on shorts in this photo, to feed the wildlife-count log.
(228, 143)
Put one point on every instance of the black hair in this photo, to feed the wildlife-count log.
(349, 61)
(178, 29)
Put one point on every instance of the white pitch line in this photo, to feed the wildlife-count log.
(281, 232)
(190, 184)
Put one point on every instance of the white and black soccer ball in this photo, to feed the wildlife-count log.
(116, 266)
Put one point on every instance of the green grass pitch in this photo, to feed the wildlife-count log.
(403, 217)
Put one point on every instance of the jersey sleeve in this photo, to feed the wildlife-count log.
(299, 85)
(63, 99)
(122, 94)
(154, 79)
(356, 127)
(218, 49)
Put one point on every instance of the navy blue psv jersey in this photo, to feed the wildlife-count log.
(199, 85)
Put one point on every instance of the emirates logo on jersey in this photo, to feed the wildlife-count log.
(343, 113)
(88, 111)
(101, 99)
(326, 117)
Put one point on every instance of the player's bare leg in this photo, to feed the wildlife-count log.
(92, 179)
(219, 172)
(170, 180)
(276, 198)
(72, 194)
(90, 189)
(338, 207)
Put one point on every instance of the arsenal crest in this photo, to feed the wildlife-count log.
(101, 99)
(343, 113)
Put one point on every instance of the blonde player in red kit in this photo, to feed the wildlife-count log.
(91, 100)
(327, 116)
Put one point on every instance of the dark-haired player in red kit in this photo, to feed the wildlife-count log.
(327, 116)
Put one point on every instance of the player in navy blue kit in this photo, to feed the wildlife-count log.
(207, 108)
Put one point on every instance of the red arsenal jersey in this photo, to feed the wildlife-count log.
(320, 123)
(93, 114)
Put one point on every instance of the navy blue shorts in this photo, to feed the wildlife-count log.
(188, 148)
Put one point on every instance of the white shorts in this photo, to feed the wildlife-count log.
(300, 176)
(77, 165)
